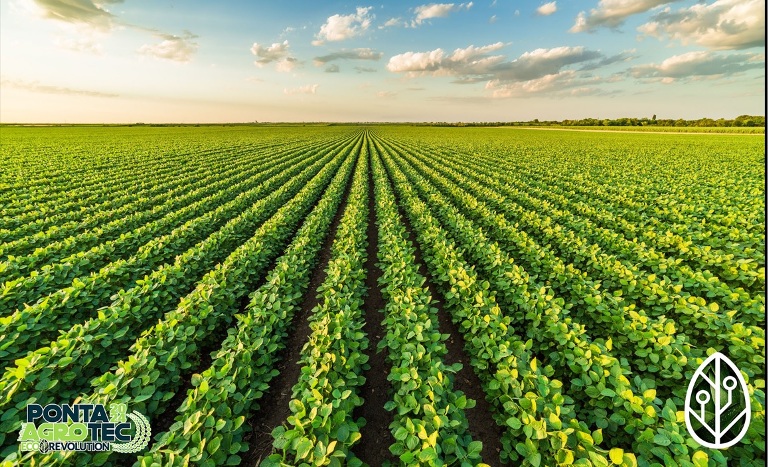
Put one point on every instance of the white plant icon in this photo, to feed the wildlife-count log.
(723, 393)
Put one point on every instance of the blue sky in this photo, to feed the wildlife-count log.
(202, 61)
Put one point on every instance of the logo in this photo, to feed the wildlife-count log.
(83, 427)
(717, 410)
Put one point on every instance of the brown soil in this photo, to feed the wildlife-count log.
(274, 404)
(482, 426)
(373, 447)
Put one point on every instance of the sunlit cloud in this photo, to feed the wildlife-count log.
(342, 27)
(173, 48)
(500, 89)
(698, 64)
(392, 22)
(353, 54)
(34, 86)
(547, 9)
(436, 10)
(563, 84)
(613, 13)
(85, 12)
(308, 89)
(532, 72)
(83, 20)
(277, 53)
(724, 24)
(469, 60)
(81, 39)
(477, 64)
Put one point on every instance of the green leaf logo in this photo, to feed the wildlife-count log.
(717, 411)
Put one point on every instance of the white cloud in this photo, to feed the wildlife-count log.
(470, 53)
(308, 89)
(172, 47)
(80, 39)
(271, 53)
(386, 94)
(542, 62)
(724, 24)
(612, 13)
(697, 65)
(34, 86)
(391, 22)
(532, 72)
(416, 61)
(286, 65)
(547, 9)
(351, 54)
(341, 27)
(85, 20)
(436, 10)
(85, 12)
(563, 84)
(473, 64)
(333, 68)
(277, 53)
(493, 19)
(551, 82)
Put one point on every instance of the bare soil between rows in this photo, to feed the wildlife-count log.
(274, 403)
(376, 438)
(482, 426)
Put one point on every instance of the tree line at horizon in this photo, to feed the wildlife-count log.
(740, 121)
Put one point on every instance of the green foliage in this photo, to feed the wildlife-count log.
(589, 274)
(429, 421)
(321, 428)
(242, 369)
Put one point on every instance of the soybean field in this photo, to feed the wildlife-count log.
(381, 295)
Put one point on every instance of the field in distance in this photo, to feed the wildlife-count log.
(347, 295)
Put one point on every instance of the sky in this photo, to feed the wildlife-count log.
(115, 61)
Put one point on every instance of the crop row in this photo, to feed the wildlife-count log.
(85, 173)
(92, 347)
(606, 225)
(321, 428)
(586, 282)
(94, 191)
(134, 234)
(528, 404)
(429, 420)
(489, 258)
(209, 424)
(645, 290)
(40, 322)
(165, 354)
(81, 229)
